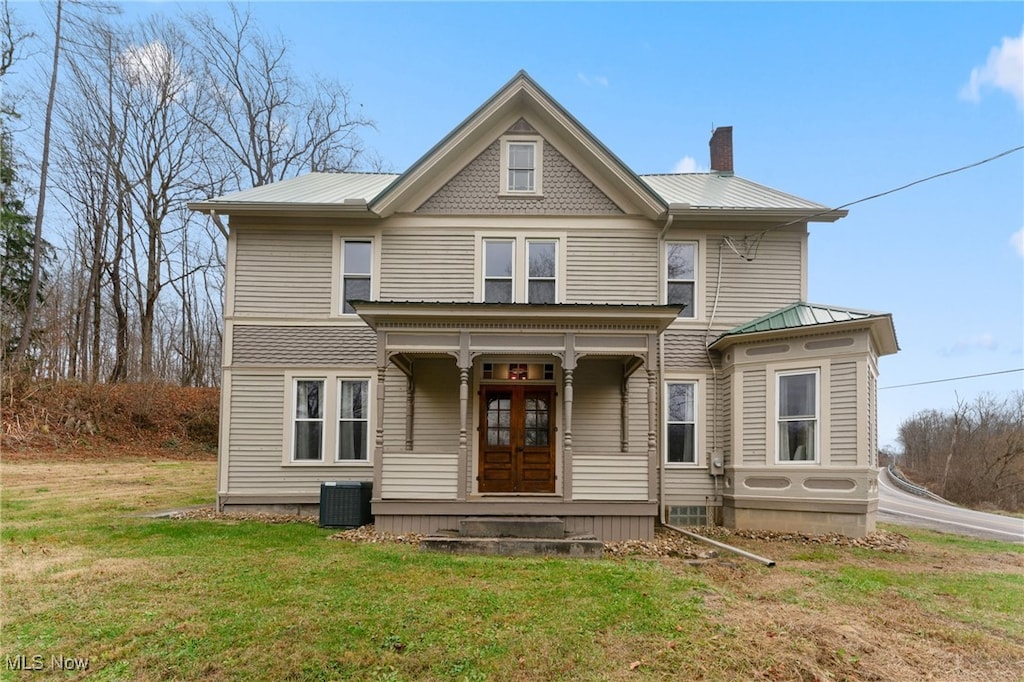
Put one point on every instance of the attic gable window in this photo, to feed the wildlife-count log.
(521, 165)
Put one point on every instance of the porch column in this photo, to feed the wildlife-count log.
(624, 419)
(378, 449)
(465, 364)
(654, 476)
(410, 388)
(568, 367)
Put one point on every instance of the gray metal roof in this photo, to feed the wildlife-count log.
(712, 190)
(313, 188)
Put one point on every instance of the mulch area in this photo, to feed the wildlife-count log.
(667, 543)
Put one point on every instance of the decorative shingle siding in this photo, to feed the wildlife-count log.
(475, 189)
(303, 346)
(283, 272)
(685, 350)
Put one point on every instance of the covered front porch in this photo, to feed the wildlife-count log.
(514, 409)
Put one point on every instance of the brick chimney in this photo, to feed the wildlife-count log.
(721, 150)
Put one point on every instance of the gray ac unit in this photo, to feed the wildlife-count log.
(345, 504)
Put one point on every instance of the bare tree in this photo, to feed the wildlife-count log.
(270, 124)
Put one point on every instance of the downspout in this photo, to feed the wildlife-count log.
(721, 545)
(218, 223)
(662, 513)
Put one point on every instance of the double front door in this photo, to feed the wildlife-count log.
(517, 439)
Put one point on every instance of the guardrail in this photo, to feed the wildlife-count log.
(903, 484)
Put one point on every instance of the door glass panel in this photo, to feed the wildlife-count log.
(499, 420)
(535, 431)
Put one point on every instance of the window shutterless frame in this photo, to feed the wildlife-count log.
(499, 267)
(353, 411)
(797, 419)
(541, 271)
(522, 166)
(308, 420)
(680, 423)
(681, 276)
(356, 272)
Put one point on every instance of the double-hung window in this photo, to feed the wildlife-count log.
(353, 419)
(316, 436)
(499, 265)
(681, 426)
(521, 167)
(541, 269)
(681, 272)
(356, 277)
(520, 270)
(798, 416)
(308, 439)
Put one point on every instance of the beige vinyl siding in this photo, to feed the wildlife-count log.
(255, 458)
(688, 486)
(750, 289)
(872, 390)
(754, 440)
(435, 407)
(639, 425)
(283, 272)
(607, 268)
(843, 427)
(609, 477)
(285, 345)
(685, 349)
(417, 476)
(597, 408)
(722, 419)
(427, 267)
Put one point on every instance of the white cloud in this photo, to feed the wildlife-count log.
(688, 164)
(963, 345)
(1004, 70)
(593, 80)
(1017, 239)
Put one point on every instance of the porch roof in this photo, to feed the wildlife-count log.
(566, 316)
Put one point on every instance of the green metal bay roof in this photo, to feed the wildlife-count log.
(802, 316)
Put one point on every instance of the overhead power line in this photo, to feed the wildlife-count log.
(888, 192)
(968, 376)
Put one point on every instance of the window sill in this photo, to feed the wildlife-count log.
(520, 195)
(321, 463)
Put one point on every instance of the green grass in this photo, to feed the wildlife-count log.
(142, 598)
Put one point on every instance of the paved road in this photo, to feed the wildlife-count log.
(897, 506)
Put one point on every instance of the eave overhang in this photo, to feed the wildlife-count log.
(510, 316)
(348, 209)
(683, 212)
(880, 326)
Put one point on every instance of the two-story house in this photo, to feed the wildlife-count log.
(521, 325)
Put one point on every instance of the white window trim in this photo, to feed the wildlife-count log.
(338, 272)
(483, 264)
(520, 264)
(526, 267)
(696, 314)
(698, 424)
(331, 410)
(818, 417)
(538, 165)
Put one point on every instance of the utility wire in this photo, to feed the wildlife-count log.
(969, 376)
(887, 192)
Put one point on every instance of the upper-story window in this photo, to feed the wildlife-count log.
(541, 271)
(356, 273)
(521, 270)
(521, 161)
(798, 416)
(681, 275)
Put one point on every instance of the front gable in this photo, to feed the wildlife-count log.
(477, 187)
(462, 173)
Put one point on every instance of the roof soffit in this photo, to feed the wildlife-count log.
(520, 98)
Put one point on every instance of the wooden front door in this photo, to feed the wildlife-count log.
(517, 439)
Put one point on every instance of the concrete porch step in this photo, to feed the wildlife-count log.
(536, 527)
(573, 546)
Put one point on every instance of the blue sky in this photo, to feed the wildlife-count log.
(829, 101)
